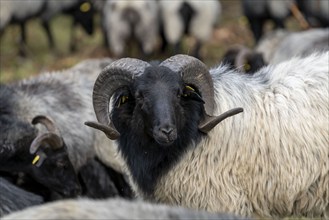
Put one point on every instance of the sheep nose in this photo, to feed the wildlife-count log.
(169, 133)
(167, 130)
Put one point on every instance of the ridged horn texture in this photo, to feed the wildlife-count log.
(52, 137)
(210, 122)
(117, 74)
(194, 72)
(46, 138)
(47, 122)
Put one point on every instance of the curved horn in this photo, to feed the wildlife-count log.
(194, 72)
(117, 74)
(53, 137)
(46, 138)
(47, 122)
(210, 122)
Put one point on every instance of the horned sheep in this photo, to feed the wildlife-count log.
(42, 132)
(269, 161)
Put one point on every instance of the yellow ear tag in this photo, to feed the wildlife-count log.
(36, 159)
(85, 7)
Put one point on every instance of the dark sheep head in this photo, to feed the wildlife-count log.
(156, 112)
(51, 164)
(242, 58)
(158, 100)
(44, 157)
(83, 14)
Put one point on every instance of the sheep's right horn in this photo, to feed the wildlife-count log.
(118, 74)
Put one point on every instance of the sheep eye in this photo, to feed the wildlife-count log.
(61, 164)
(247, 67)
(187, 91)
(123, 100)
(192, 94)
(85, 7)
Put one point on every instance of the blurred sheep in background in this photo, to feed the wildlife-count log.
(260, 11)
(127, 21)
(316, 12)
(21, 11)
(287, 44)
(309, 13)
(276, 47)
(188, 17)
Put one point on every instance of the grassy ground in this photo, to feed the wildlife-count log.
(232, 29)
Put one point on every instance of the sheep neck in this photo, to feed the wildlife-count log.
(150, 160)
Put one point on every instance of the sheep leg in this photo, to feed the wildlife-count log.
(196, 50)
(73, 37)
(45, 25)
(279, 23)
(256, 26)
(177, 48)
(22, 42)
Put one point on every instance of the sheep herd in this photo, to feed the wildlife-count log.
(138, 138)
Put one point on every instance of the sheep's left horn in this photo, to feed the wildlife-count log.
(118, 74)
(194, 72)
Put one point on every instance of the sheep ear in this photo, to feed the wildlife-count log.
(110, 131)
(211, 121)
(39, 158)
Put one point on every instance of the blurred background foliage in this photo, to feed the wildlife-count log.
(232, 29)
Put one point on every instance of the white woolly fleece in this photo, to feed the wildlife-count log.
(272, 160)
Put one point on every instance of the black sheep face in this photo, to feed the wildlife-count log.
(157, 117)
(160, 105)
(57, 172)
